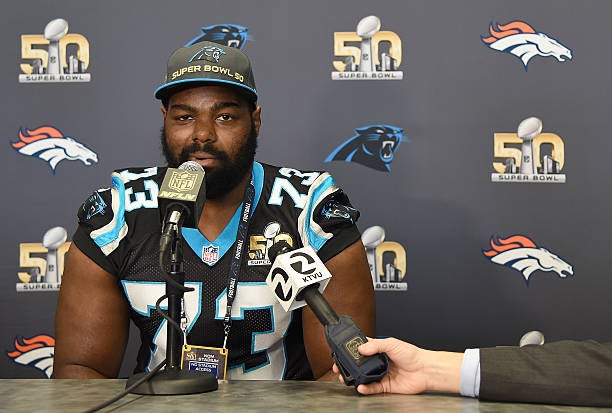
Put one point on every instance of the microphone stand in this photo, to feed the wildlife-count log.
(172, 380)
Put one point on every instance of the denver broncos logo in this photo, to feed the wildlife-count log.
(521, 40)
(35, 352)
(373, 146)
(230, 35)
(50, 145)
(522, 254)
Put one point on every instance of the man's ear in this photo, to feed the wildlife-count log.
(257, 118)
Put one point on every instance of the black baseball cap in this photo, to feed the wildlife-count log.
(207, 62)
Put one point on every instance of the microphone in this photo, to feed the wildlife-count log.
(180, 200)
(297, 278)
(182, 195)
(532, 338)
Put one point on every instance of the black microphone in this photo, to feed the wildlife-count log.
(180, 200)
(182, 195)
(298, 277)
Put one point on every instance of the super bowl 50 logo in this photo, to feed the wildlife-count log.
(260, 244)
(387, 260)
(42, 264)
(367, 53)
(54, 56)
(528, 155)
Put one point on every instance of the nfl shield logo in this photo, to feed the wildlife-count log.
(210, 254)
(182, 180)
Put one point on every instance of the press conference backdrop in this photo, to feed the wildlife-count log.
(473, 136)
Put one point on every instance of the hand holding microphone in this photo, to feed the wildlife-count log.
(297, 278)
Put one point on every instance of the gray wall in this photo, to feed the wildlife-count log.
(437, 201)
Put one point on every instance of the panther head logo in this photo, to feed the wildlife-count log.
(35, 352)
(50, 145)
(521, 40)
(522, 254)
(373, 146)
(231, 35)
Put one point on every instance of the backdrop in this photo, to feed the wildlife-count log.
(473, 137)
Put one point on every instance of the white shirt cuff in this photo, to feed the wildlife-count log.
(470, 373)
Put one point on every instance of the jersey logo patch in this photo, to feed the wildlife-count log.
(210, 254)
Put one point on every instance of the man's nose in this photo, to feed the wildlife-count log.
(204, 131)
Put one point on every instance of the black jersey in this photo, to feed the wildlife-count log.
(119, 229)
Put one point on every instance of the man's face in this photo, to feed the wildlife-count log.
(213, 126)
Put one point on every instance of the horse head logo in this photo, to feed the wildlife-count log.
(35, 352)
(50, 145)
(522, 254)
(521, 40)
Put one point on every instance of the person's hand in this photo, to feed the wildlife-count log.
(406, 368)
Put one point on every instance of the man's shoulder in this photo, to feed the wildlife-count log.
(139, 173)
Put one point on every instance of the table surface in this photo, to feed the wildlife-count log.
(68, 395)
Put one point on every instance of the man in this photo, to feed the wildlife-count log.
(563, 372)
(112, 272)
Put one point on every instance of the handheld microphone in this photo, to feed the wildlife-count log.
(298, 277)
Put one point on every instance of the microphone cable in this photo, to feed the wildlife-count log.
(127, 390)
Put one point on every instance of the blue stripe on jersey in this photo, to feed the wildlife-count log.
(226, 239)
(118, 215)
(315, 240)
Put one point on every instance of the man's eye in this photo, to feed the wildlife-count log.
(183, 117)
(225, 117)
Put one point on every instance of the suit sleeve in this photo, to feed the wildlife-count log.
(563, 372)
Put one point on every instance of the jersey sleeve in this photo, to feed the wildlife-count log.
(328, 221)
(102, 224)
(108, 215)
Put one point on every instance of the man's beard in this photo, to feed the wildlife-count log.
(222, 179)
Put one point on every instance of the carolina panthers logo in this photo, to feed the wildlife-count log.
(230, 35)
(35, 352)
(373, 146)
(521, 40)
(210, 53)
(522, 254)
(50, 145)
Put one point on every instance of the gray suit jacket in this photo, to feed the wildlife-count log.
(563, 372)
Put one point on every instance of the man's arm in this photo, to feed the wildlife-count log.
(562, 372)
(91, 321)
(349, 292)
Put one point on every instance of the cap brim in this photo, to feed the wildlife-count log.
(165, 91)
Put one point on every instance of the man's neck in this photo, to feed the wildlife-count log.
(218, 212)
